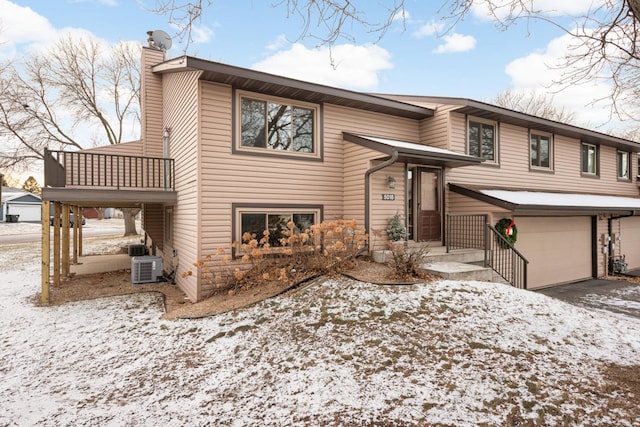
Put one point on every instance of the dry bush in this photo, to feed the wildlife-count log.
(325, 248)
(405, 262)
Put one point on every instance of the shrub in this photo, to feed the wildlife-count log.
(406, 262)
(396, 229)
(325, 248)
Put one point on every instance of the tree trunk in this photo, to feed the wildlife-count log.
(130, 221)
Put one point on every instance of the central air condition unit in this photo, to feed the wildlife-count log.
(145, 269)
(137, 250)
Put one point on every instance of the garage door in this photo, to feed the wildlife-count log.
(630, 241)
(558, 249)
(26, 212)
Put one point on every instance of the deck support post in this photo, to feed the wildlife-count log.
(46, 254)
(57, 211)
(65, 240)
(75, 234)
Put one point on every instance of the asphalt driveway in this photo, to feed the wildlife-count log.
(617, 296)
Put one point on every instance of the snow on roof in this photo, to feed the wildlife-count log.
(538, 198)
(411, 146)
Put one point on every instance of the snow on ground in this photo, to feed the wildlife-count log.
(337, 352)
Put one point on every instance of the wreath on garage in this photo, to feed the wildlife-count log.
(507, 229)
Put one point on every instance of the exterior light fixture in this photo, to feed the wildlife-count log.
(391, 182)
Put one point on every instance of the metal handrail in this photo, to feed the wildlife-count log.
(119, 171)
(505, 259)
(466, 232)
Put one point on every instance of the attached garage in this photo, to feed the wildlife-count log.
(559, 249)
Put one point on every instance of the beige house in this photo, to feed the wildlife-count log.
(226, 150)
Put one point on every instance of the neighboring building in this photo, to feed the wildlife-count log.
(227, 149)
(15, 201)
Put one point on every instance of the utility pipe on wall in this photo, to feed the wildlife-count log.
(367, 185)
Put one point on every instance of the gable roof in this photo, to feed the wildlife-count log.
(271, 84)
(19, 196)
(516, 118)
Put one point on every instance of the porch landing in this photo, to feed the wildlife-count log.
(459, 264)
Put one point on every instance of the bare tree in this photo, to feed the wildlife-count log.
(48, 100)
(605, 38)
(331, 18)
(533, 103)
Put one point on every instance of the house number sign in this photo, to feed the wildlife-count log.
(388, 197)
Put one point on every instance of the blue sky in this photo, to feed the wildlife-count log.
(473, 60)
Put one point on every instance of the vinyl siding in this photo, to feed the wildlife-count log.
(435, 130)
(153, 224)
(133, 148)
(151, 102)
(181, 116)
(513, 170)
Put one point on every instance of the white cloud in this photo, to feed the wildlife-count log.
(354, 67)
(542, 71)
(20, 25)
(280, 42)
(429, 29)
(201, 34)
(456, 43)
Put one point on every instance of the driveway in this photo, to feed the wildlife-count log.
(617, 296)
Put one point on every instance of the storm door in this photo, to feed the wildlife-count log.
(427, 201)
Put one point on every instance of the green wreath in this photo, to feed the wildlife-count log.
(507, 229)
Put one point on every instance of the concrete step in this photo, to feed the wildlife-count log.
(458, 271)
(437, 254)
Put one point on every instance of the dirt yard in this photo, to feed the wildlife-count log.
(178, 305)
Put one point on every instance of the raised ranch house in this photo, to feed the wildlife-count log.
(225, 150)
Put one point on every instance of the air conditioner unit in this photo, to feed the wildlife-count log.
(145, 269)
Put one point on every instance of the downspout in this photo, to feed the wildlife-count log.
(611, 243)
(367, 185)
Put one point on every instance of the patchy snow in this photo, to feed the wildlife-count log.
(338, 352)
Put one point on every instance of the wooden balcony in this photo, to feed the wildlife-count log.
(98, 179)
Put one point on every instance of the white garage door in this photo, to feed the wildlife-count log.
(26, 212)
(558, 249)
(630, 241)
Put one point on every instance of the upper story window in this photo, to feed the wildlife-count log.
(589, 159)
(482, 139)
(277, 125)
(624, 165)
(541, 150)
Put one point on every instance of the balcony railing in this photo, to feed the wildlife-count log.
(78, 169)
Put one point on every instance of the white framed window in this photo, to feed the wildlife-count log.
(256, 219)
(482, 139)
(541, 150)
(589, 162)
(623, 165)
(271, 125)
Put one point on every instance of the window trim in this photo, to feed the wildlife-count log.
(496, 139)
(238, 148)
(626, 178)
(596, 174)
(237, 209)
(551, 167)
